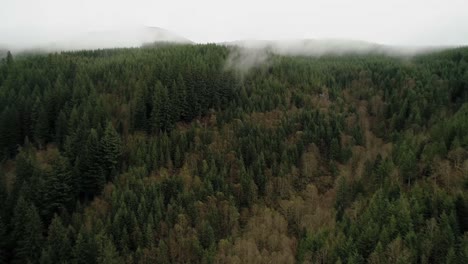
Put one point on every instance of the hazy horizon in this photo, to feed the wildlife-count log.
(27, 23)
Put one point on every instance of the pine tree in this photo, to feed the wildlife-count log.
(247, 187)
(93, 178)
(407, 160)
(182, 98)
(358, 135)
(107, 252)
(163, 252)
(259, 176)
(58, 249)
(9, 131)
(86, 249)
(58, 189)
(3, 241)
(61, 129)
(9, 58)
(160, 119)
(174, 102)
(110, 150)
(41, 128)
(76, 139)
(335, 150)
(342, 196)
(140, 118)
(25, 166)
(207, 237)
(27, 233)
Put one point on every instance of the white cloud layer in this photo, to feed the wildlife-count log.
(394, 22)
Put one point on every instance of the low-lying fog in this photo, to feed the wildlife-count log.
(138, 36)
(122, 38)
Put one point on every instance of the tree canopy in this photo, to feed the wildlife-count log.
(163, 154)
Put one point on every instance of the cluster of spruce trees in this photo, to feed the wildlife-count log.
(164, 155)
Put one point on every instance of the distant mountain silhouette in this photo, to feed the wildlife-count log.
(121, 38)
(319, 47)
(144, 36)
(130, 37)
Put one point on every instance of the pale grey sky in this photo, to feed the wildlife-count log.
(401, 22)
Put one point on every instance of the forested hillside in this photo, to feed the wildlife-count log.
(162, 154)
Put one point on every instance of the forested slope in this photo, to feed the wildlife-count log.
(165, 155)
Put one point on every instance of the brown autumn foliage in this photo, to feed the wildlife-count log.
(265, 240)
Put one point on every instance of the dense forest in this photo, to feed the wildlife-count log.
(162, 154)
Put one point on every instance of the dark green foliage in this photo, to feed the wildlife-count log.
(358, 135)
(406, 158)
(160, 118)
(85, 249)
(9, 58)
(59, 193)
(25, 166)
(111, 149)
(27, 233)
(107, 252)
(61, 128)
(3, 241)
(8, 132)
(92, 172)
(58, 247)
(41, 127)
(342, 197)
(163, 154)
(207, 236)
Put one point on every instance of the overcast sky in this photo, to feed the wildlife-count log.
(402, 22)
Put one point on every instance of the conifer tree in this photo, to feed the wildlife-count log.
(107, 252)
(161, 113)
(27, 233)
(41, 128)
(86, 249)
(58, 189)
(58, 248)
(3, 241)
(110, 147)
(9, 58)
(93, 178)
(61, 129)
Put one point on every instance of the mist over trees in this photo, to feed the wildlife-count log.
(168, 154)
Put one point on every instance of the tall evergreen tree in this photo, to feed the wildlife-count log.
(111, 148)
(27, 233)
(3, 241)
(86, 249)
(61, 129)
(160, 115)
(58, 248)
(9, 58)
(93, 178)
(41, 128)
(58, 189)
